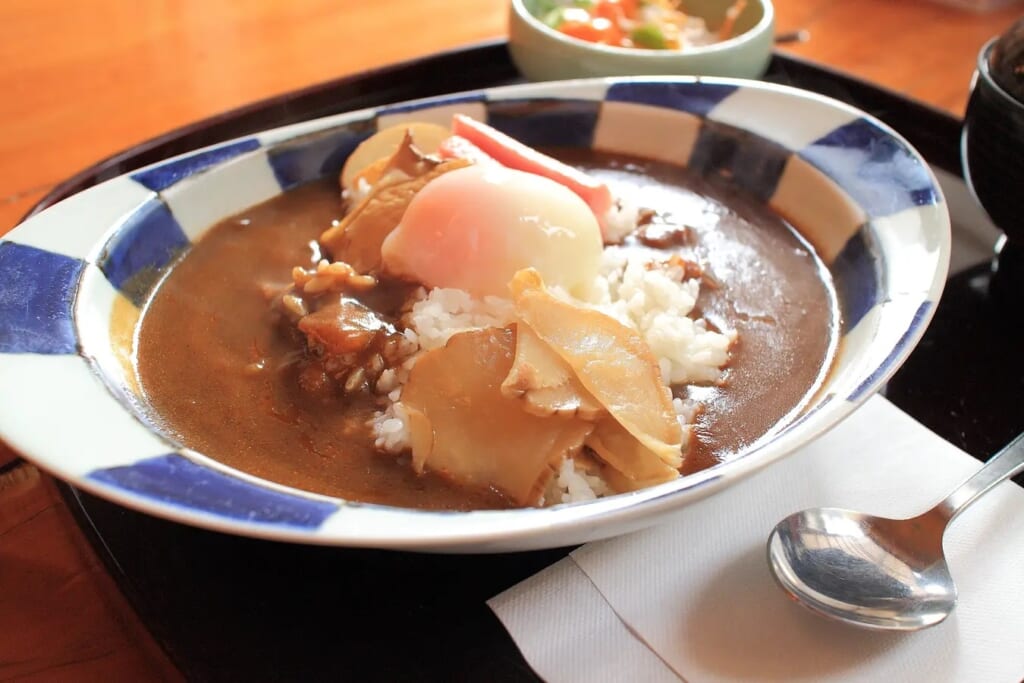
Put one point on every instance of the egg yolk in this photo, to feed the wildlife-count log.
(475, 227)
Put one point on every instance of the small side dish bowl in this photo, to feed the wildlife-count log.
(543, 54)
(75, 278)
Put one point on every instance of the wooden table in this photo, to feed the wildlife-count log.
(80, 81)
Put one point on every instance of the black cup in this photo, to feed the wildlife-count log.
(992, 149)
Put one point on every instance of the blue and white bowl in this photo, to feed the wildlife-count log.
(850, 184)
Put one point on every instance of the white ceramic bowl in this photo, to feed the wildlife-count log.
(544, 54)
(855, 188)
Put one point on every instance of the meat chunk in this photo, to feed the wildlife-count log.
(346, 326)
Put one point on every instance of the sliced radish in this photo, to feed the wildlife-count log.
(458, 147)
(510, 152)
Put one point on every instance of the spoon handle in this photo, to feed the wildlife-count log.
(1000, 466)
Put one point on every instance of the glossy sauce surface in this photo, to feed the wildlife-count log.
(210, 324)
(768, 285)
(221, 378)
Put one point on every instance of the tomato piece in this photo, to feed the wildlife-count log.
(582, 30)
(598, 25)
(609, 30)
(597, 30)
(612, 10)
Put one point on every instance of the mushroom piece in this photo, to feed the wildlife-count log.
(358, 237)
(343, 326)
(370, 157)
(545, 383)
(611, 360)
(465, 429)
(631, 465)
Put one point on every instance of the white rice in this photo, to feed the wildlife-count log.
(573, 484)
(619, 221)
(655, 301)
(441, 313)
(390, 427)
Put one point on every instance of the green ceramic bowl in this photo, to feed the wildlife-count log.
(544, 54)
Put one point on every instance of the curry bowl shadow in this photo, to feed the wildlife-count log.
(74, 278)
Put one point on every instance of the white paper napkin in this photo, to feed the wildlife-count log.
(693, 598)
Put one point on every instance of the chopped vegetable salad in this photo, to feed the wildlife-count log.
(643, 24)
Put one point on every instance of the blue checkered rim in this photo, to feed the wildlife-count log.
(127, 231)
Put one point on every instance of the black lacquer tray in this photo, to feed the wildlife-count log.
(230, 609)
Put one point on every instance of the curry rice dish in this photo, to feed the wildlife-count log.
(475, 324)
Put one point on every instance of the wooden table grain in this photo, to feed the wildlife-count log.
(80, 81)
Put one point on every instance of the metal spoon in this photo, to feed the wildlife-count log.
(884, 574)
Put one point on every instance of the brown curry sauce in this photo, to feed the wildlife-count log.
(220, 377)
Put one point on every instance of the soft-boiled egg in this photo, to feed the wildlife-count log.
(475, 227)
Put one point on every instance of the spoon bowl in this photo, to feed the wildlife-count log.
(874, 572)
